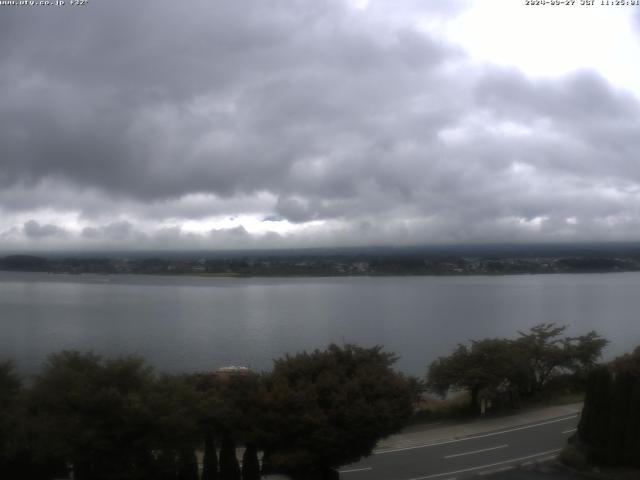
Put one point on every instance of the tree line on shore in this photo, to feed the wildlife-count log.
(115, 418)
(503, 372)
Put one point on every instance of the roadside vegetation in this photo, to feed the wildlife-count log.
(500, 373)
(608, 435)
(102, 418)
(115, 418)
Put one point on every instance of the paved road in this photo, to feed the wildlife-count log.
(469, 456)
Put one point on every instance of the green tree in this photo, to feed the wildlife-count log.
(229, 467)
(609, 428)
(328, 408)
(250, 464)
(210, 458)
(548, 353)
(492, 367)
(112, 418)
(595, 418)
(505, 370)
(230, 408)
(187, 465)
(10, 386)
(18, 458)
(91, 412)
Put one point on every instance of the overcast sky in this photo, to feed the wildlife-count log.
(297, 123)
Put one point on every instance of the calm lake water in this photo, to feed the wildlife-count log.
(192, 323)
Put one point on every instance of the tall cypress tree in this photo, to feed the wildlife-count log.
(616, 439)
(165, 466)
(210, 459)
(229, 468)
(632, 456)
(187, 465)
(250, 463)
(610, 423)
(594, 421)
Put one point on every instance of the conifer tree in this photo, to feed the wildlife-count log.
(187, 465)
(229, 468)
(250, 464)
(609, 426)
(210, 458)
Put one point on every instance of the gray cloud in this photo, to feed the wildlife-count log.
(33, 229)
(121, 230)
(231, 101)
(145, 117)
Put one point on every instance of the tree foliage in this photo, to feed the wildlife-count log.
(10, 386)
(328, 408)
(229, 466)
(487, 368)
(548, 353)
(505, 370)
(250, 463)
(115, 418)
(112, 418)
(609, 428)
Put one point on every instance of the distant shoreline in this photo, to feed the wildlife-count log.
(312, 275)
(337, 264)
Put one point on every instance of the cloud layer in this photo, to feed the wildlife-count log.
(295, 123)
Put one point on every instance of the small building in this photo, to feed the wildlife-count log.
(232, 371)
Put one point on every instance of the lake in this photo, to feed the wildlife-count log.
(194, 323)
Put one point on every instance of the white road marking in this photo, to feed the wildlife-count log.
(435, 444)
(545, 459)
(366, 469)
(497, 470)
(570, 430)
(471, 469)
(476, 451)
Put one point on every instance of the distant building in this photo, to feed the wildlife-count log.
(232, 371)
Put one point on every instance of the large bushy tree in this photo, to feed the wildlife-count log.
(547, 352)
(328, 408)
(91, 413)
(9, 417)
(112, 418)
(492, 368)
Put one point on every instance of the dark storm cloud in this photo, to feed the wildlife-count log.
(161, 100)
(33, 229)
(138, 117)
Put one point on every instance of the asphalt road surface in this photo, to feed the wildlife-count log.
(467, 457)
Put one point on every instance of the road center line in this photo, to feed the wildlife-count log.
(366, 469)
(471, 469)
(501, 432)
(571, 430)
(476, 451)
(496, 470)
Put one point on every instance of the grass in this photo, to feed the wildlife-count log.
(430, 408)
(456, 406)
